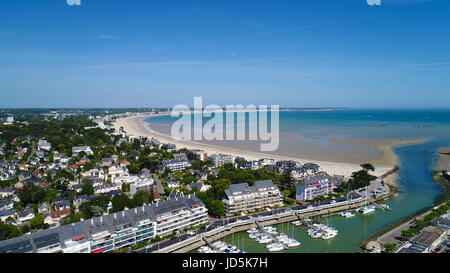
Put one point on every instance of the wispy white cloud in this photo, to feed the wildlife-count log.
(296, 28)
(104, 36)
(426, 64)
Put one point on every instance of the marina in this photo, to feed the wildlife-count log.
(274, 241)
(219, 247)
(327, 236)
(318, 230)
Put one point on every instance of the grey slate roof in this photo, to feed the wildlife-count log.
(243, 188)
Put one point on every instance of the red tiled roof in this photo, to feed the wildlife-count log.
(156, 193)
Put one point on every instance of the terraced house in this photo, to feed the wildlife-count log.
(242, 197)
(113, 231)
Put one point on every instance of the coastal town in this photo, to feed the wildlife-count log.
(71, 182)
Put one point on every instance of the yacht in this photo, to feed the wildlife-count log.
(347, 214)
(264, 239)
(253, 230)
(329, 235)
(292, 243)
(367, 209)
(275, 247)
(316, 234)
(297, 223)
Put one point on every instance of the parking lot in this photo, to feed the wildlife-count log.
(444, 247)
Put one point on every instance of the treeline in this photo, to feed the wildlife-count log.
(421, 224)
(99, 204)
(62, 134)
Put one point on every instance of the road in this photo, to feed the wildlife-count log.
(394, 236)
(159, 185)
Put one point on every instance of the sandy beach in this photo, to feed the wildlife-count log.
(384, 160)
(442, 161)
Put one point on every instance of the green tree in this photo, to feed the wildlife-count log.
(390, 247)
(101, 201)
(87, 189)
(119, 202)
(140, 197)
(96, 210)
(72, 218)
(31, 194)
(37, 222)
(368, 167)
(408, 233)
(421, 224)
(217, 207)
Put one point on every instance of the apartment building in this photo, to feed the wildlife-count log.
(105, 188)
(313, 186)
(174, 164)
(199, 154)
(242, 197)
(44, 145)
(178, 213)
(141, 184)
(118, 174)
(78, 149)
(219, 160)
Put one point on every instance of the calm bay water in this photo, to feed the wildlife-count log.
(416, 161)
(356, 123)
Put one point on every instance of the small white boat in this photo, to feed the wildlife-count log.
(346, 214)
(275, 247)
(329, 234)
(316, 234)
(292, 243)
(366, 209)
(253, 230)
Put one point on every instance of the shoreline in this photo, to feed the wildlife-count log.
(383, 162)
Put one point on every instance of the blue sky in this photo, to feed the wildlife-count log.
(315, 53)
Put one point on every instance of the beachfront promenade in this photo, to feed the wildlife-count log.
(224, 227)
